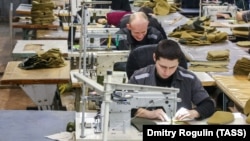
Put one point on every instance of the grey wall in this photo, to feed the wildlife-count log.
(5, 8)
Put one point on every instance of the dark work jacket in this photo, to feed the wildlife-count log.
(191, 90)
(152, 22)
(153, 37)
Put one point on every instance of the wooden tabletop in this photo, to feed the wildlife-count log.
(205, 79)
(237, 88)
(15, 75)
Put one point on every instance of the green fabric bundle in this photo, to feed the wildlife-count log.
(51, 59)
(242, 66)
(218, 55)
(42, 12)
(197, 32)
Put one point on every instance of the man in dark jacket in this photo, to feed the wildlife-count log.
(138, 33)
(142, 57)
(166, 73)
(152, 20)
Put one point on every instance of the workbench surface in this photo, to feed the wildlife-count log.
(15, 75)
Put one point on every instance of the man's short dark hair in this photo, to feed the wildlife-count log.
(168, 49)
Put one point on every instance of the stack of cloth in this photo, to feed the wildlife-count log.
(52, 58)
(160, 7)
(217, 62)
(246, 111)
(42, 12)
(242, 66)
(197, 32)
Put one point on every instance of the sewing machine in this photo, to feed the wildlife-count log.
(99, 61)
(214, 10)
(112, 122)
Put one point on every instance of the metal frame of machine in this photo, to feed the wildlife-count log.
(113, 120)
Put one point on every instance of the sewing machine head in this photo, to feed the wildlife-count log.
(217, 12)
(119, 99)
(124, 101)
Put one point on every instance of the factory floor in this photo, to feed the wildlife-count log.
(13, 97)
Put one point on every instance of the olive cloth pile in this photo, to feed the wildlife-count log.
(217, 61)
(50, 59)
(242, 66)
(160, 7)
(42, 12)
(218, 55)
(197, 32)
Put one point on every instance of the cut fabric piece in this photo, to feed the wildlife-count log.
(243, 43)
(220, 118)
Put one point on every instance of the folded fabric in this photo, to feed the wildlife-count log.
(218, 55)
(221, 117)
(243, 43)
(217, 37)
(242, 66)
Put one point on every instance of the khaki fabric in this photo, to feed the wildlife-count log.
(161, 8)
(240, 31)
(218, 55)
(248, 119)
(208, 66)
(197, 32)
(243, 43)
(246, 109)
(50, 59)
(220, 118)
(242, 66)
(42, 12)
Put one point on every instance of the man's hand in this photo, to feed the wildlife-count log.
(185, 114)
(155, 114)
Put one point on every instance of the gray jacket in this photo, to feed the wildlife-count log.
(191, 89)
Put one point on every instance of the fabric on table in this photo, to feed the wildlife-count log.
(221, 117)
(218, 55)
(50, 59)
(242, 66)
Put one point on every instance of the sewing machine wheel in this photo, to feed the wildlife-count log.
(70, 127)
